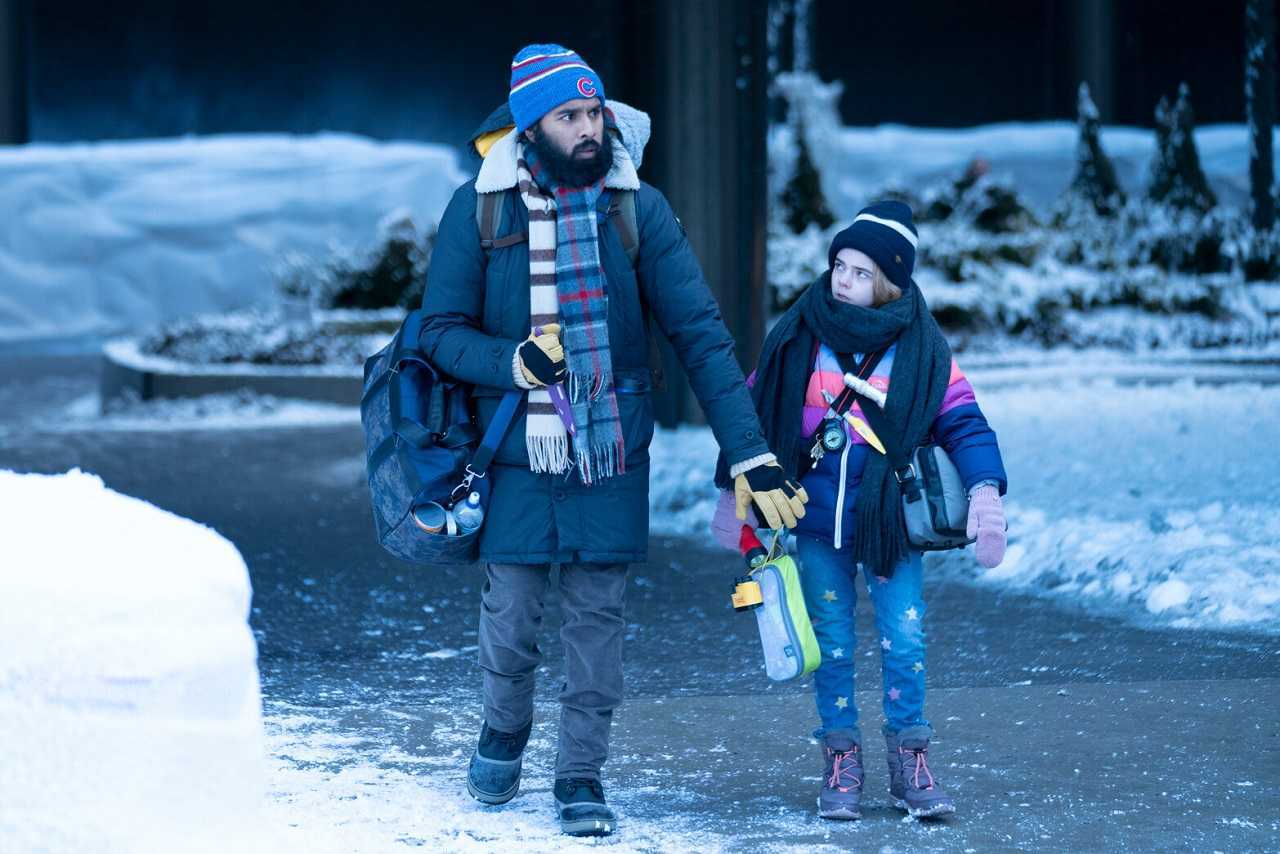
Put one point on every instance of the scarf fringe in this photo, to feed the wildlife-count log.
(601, 461)
(547, 454)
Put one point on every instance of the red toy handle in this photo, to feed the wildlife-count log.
(748, 540)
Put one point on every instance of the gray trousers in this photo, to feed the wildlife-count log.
(591, 630)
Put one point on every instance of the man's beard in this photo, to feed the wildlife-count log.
(571, 171)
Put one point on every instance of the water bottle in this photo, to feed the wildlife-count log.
(469, 514)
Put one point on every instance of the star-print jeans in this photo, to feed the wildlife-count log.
(827, 576)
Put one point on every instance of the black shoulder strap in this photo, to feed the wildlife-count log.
(861, 369)
(899, 457)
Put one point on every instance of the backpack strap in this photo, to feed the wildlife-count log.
(489, 210)
(622, 213)
(622, 210)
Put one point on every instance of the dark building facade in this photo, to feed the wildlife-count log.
(78, 70)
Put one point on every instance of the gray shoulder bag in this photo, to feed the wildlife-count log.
(934, 502)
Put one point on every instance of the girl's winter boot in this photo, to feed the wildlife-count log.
(841, 794)
(911, 782)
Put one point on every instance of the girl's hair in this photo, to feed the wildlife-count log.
(882, 290)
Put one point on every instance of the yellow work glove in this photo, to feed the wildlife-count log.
(541, 356)
(780, 501)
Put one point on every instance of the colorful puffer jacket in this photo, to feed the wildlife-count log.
(960, 428)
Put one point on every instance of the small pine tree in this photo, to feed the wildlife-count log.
(1095, 179)
(1176, 177)
(802, 199)
(1260, 106)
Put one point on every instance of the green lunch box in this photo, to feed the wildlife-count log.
(786, 635)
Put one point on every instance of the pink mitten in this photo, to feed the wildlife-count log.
(986, 522)
(726, 527)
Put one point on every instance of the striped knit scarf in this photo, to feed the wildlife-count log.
(567, 283)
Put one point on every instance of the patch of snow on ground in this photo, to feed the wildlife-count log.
(682, 495)
(330, 794)
(1218, 567)
(1152, 501)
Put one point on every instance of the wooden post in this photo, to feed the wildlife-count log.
(13, 72)
(708, 99)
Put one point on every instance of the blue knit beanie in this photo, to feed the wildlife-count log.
(884, 232)
(544, 76)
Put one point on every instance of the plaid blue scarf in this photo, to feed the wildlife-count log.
(599, 449)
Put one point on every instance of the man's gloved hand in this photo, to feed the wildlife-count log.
(780, 501)
(542, 358)
(987, 524)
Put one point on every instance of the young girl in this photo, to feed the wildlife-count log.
(868, 313)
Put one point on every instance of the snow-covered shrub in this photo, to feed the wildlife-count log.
(394, 274)
(802, 200)
(391, 274)
(993, 206)
(1176, 177)
(1257, 254)
(1094, 188)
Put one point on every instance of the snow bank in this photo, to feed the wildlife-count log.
(130, 716)
(1218, 566)
(1153, 502)
(109, 237)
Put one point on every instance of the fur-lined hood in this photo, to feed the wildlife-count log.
(496, 139)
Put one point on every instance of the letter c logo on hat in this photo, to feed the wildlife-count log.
(586, 88)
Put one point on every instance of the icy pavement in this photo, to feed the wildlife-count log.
(1033, 768)
(371, 689)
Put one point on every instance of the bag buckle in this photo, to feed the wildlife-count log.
(463, 488)
(910, 469)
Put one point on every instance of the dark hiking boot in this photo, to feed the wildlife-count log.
(582, 809)
(911, 782)
(494, 775)
(841, 795)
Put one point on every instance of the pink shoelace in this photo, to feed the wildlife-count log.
(837, 769)
(921, 765)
